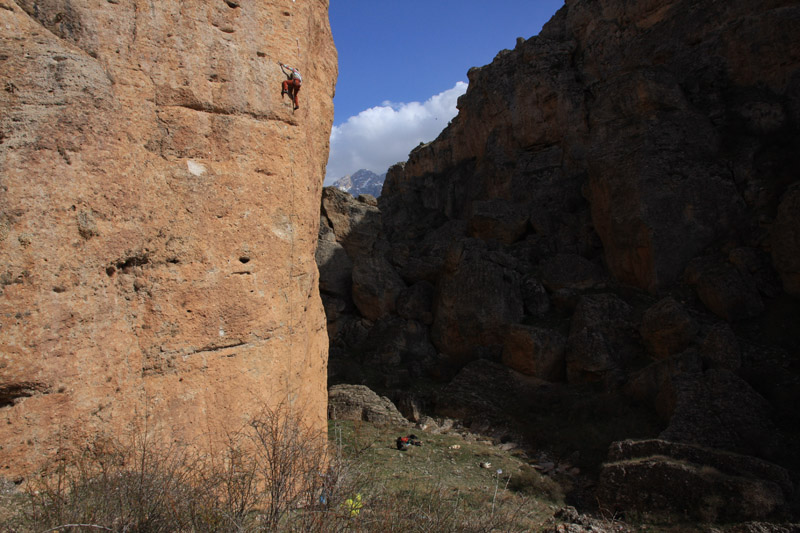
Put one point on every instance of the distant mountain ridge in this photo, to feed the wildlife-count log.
(361, 182)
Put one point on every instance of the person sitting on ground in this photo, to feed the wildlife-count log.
(292, 84)
(403, 443)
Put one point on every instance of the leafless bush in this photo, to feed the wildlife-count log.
(134, 487)
(289, 461)
(275, 474)
(230, 477)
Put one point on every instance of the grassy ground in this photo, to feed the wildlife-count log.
(437, 486)
(449, 466)
(445, 473)
(447, 461)
(440, 486)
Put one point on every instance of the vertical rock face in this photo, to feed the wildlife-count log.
(664, 127)
(615, 208)
(649, 145)
(159, 216)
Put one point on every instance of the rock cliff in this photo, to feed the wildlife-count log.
(667, 128)
(158, 220)
(648, 146)
(613, 217)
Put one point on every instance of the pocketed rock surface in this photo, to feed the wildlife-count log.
(159, 218)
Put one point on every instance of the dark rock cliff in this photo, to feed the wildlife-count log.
(667, 128)
(608, 228)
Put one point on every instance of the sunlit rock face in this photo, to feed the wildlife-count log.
(159, 217)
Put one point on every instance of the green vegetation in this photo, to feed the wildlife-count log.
(447, 460)
(446, 470)
(276, 475)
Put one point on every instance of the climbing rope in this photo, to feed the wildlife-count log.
(291, 283)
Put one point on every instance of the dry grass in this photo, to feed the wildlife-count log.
(276, 475)
(273, 475)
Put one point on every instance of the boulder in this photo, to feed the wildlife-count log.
(424, 259)
(336, 312)
(718, 409)
(534, 297)
(485, 391)
(726, 291)
(602, 340)
(394, 345)
(759, 265)
(359, 402)
(725, 462)
(497, 220)
(653, 384)
(667, 328)
(720, 348)
(335, 266)
(410, 406)
(569, 520)
(368, 199)
(673, 480)
(355, 223)
(570, 271)
(535, 352)
(764, 527)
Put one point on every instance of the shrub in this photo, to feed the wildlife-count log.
(273, 467)
(137, 487)
(274, 474)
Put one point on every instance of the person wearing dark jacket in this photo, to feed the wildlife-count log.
(403, 443)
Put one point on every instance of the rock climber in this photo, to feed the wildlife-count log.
(292, 83)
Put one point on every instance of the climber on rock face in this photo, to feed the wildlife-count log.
(291, 85)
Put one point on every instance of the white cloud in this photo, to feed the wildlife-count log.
(381, 136)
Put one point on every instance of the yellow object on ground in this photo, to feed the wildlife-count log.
(353, 505)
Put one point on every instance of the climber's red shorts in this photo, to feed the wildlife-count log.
(292, 87)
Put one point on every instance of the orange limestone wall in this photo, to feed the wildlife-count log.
(159, 210)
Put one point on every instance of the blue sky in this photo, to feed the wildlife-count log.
(403, 64)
